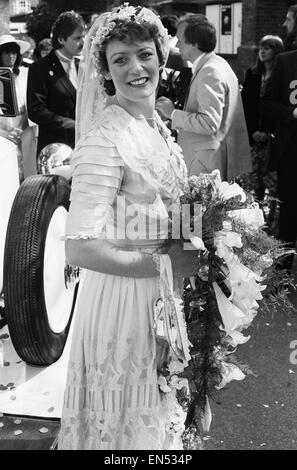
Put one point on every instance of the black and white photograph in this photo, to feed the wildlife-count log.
(148, 226)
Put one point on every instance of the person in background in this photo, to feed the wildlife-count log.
(170, 23)
(290, 24)
(18, 128)
(43, 48)
(211, 127)
(260, 127)
(27, 57)
(177, 74)
(52, 83)
(280, 103)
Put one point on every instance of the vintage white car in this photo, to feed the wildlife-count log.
(38, 288)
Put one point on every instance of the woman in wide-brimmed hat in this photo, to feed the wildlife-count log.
(17, 128)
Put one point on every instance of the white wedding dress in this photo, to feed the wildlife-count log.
(112, 400)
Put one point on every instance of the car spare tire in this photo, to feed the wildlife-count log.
(39, 302)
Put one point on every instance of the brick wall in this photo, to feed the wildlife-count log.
(259, 17)
(4, 16)
(270, 17)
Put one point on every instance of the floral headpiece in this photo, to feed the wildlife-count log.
(124, 12)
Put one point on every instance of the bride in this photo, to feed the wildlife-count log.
(124, 163)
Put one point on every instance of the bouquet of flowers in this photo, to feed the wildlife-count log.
(236, 263)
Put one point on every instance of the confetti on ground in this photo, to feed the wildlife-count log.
(12, 397)
(221, 442)
(205, 438)
(1, 425)
(18, 432)
(267, 324)
(282, 404)
(238, 405)
(17, 421)
(289, 324)
(43, 430)
(51, 409)
(263, 444)
(266, 406)
(291, 371)
(6, 363)
(251, 442)
(276, 401)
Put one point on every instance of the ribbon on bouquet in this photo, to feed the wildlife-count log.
(169, 322)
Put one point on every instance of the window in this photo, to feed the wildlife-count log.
(227, 19)
(23, 6)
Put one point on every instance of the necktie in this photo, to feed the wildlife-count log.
(71, 72)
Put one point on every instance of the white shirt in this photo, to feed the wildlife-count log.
(197, 62)
(69, 67)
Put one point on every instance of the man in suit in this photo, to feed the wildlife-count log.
(211, 127)
(280, 103)
(52, 81)
(290, 24)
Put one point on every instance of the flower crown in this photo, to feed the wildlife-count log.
(137, 14)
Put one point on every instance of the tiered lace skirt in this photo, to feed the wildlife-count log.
(112, 400)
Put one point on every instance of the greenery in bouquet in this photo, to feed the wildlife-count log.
(236, 273)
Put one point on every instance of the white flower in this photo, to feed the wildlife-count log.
(178, 382)
(227, 191)
(206, 417)
(162, 382)
(198, 243)
(235, 338)
(230, 239)
(227, 225)
(252, 216)
(229, 372)
(175, 366)
(232, 316)
(224, 251)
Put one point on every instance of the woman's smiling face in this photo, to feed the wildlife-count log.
(134, 68)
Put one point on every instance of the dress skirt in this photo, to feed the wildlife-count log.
(112, 400)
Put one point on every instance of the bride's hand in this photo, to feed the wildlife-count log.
(184, 262)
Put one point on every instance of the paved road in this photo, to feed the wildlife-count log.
(261, 412)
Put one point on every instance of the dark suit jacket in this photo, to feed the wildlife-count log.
(51, 99)
(279, 101)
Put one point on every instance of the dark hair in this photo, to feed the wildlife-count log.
(12, 47)
(44, 44)
(291, 37)
(129, 31)
(170, 23)
(293, 9)
(199, 32)
(65, 25)
(276, 44)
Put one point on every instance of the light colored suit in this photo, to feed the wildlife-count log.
(212, 129)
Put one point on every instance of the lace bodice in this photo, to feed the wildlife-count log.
(125, 174)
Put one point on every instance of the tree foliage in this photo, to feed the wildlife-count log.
(40, 21)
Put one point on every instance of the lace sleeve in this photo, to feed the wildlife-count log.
(97, 171)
